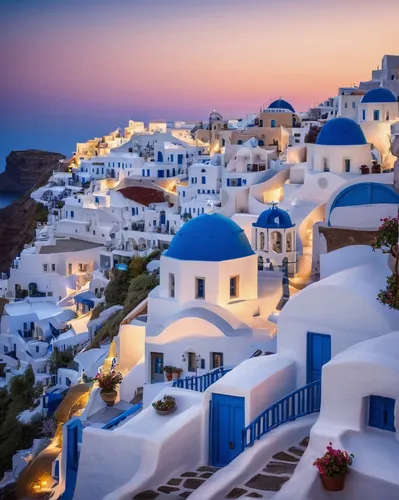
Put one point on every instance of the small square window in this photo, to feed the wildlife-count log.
(234, 287)
(45, 268)
(171, 285)
(200, 288)
(192, 362)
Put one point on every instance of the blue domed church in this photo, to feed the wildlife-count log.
(273, 238)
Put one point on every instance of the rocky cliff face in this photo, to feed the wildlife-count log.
(25, 172)
(24, 168)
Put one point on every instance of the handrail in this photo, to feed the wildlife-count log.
(200, 382)
(117, 420)
(299, 403)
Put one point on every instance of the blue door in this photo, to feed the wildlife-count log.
(160, 156)
(225, 430)
(163, 217)
(180, 159)
(74, 437)
(318, 354)
(381, 413)
(161, 173)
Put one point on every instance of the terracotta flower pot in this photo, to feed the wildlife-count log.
(108, 397)
(168, 376)
(335, 483)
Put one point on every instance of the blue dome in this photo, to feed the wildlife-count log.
(281, 104)
(341, 132)
(379, 95)
(274, 218)
(210, 238)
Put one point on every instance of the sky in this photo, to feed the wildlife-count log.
(75, 69)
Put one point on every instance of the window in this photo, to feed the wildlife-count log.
(346, 105)
(273, 123)
(347, 163)
(261, 241)
(192, 362)
(216, 360)
(203, 179)
(376, 115)
(37, 348)
(363, 114)
(72, 214)
(381, 413)
(49, 294)
(53, 267)
(261, 143)
(200, 288)
(45, 268)
(171, 285)
(326, 168)
(69, 268)
(387, 116)
(353, 105)
(234, 287)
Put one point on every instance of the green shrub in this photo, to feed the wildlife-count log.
(139, 289)
(60, 359)
(95, 313)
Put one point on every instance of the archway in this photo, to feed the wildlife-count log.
(276, 241)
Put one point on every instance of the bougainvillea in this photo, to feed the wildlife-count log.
(386, 240)
(333, 462)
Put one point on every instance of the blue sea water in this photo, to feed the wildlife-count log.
(7, 198)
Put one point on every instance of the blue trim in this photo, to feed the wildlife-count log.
(299, 403)
(117, 420)
(318, 353)
(200, 383)
(364, 193)
(74, 437)
(227, 422)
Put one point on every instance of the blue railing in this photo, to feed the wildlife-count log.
(201, 382)
(123, 416)
(299, 403)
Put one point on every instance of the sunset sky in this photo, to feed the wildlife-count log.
(74, 69)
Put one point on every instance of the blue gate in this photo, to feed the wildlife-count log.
(227, 419)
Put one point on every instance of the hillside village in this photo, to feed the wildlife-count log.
(235, 283)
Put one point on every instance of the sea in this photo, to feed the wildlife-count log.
(7, 198)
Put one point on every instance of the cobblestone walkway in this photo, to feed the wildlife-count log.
(180, 486)
(272, 477)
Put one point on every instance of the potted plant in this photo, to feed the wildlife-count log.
(365, 169)
(333, 466)
(108, 382)
(165, 406)
(168, 369)
(376, 169)
(176, 373)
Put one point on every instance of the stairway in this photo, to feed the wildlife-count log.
(270, 479)
(180, 486)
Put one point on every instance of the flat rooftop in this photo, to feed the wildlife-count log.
(71, 245)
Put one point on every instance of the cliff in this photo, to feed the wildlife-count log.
(25, 172)
(24, 168)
